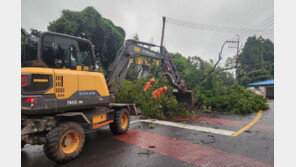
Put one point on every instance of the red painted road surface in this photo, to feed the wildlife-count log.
(195, 154)
(228, 122)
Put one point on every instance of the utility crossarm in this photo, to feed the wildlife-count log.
(131, 49)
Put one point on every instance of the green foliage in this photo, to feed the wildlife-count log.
(252, 54)
(218, 90)
(234, 99)
(268, 55)
(142, 66)
(132, 92)
(88, 23)
(193, 69)
(136, 37)
(101, 70)
(244, 80)
(256, 61)
(255, 76)
(268, 50)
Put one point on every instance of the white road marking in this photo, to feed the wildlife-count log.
(185, 126)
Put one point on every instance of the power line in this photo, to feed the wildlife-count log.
(261, 28)
(208, 27)
(260, 24)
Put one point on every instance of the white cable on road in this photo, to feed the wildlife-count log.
(191, 127)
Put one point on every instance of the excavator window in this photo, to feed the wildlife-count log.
(29, 52)
(64, 52)
(84, 57)
(59, 52)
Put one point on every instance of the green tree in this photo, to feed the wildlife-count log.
(268, 55)
(136, 37)
(252, 55)
(256, 61)
(88, 23)
(167, 106)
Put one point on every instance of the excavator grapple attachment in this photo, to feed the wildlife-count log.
(187, 97)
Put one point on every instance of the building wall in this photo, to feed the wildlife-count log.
(270, 92)
(263, 89)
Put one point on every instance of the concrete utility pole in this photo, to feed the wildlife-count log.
(237, 47)
(163, 27)
(237, 53)
(237, 42)
(219, 59)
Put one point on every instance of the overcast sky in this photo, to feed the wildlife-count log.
(145, 18)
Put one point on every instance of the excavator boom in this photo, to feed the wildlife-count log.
(131, 49)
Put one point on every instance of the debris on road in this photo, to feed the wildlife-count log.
(151, 126)
(207, 142)
(248, 131)
(211, 136)
(147, 152)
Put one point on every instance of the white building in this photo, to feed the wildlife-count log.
(267, 87)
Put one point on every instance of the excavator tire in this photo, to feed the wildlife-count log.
(121, 122)
(64, 142)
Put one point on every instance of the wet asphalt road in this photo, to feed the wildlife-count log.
(103, 149)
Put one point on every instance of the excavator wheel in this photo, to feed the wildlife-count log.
(64, 142)
(121, 122)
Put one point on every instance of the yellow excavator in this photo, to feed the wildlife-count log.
(62, 95)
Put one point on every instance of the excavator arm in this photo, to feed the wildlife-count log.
(130, 50)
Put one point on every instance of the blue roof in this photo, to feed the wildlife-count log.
(267, 82)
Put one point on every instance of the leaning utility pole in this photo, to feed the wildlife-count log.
(219, 59)
(163, 27)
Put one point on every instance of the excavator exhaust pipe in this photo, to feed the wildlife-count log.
(188, 97)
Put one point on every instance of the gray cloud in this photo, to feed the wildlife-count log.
(145, 18)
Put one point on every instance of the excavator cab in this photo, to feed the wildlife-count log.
(58, 72)
(59, 51)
